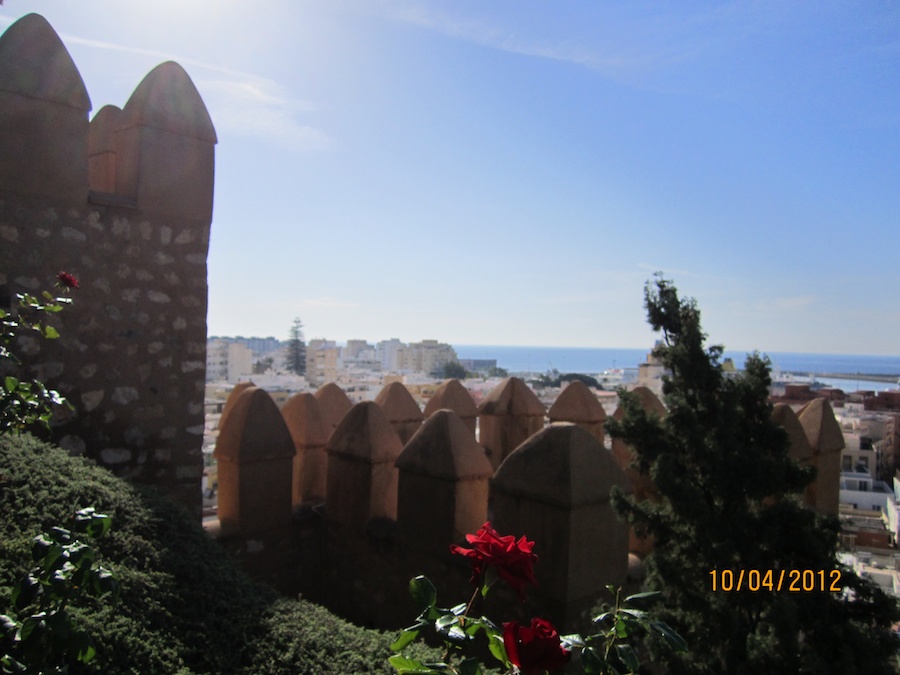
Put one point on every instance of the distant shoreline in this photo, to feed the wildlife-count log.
(847, 376)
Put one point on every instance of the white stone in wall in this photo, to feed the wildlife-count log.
(191, 366)
(91, 399)
(48, 371)
(124, 395)
(72, 234)
(29, 345)
(115, 455)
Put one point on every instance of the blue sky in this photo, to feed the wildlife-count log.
(512, 172)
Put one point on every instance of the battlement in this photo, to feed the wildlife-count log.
(123, 202)
(348, 516)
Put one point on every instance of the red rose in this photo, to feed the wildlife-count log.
(512, 559)
(534, 649)
(66, 280)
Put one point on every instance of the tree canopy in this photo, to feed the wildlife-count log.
(453, 370)
(729, 499)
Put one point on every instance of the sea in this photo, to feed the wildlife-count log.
(592, 361)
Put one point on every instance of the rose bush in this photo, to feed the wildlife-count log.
(26, 403)
(528, 650)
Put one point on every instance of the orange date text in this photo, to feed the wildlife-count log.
(791, 581)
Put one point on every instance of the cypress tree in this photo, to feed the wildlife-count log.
(296, 356)
(730, 504)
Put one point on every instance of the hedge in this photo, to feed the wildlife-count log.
(184, 606)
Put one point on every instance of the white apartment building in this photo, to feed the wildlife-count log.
(426, 356)
(227, 361)
(387, 352)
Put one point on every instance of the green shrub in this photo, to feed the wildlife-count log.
(184, 607)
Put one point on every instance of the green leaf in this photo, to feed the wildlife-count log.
(490, 627)
(628, 657)
(573, 640)
(85, 651)
(26, 591)
(104, 581)
(34, 624)
(404, 666)
(472, 626)
(498, 649)
(11, 383)
(640, 597)
(8, 625)
(407, 636)
(50, 333)
(457, 634)
(674, 639)
(445, 621)
(603, 617)
(459, 609)
(637, 614)
(423, 592)
(592, 662)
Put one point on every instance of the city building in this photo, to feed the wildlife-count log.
(323, 360)
(427, 356)
(387, 352)
(227, 360)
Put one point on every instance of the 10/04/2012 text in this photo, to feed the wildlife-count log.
(792, 581)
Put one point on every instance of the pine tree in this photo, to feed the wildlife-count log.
(730, 500)
(296, 350)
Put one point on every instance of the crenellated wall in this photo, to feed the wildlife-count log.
(389, 510)
(124, 203)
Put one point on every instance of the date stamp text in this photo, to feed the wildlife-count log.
(792, 581)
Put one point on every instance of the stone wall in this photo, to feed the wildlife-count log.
(124, 203)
